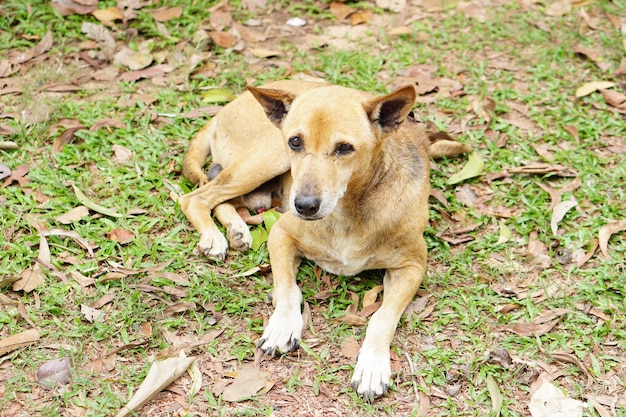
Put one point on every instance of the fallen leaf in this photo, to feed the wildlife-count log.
(121, 154)
(340, 10)
(17, 175)
(371, 296)
(166, 13)
(43, 46)
(68, 7)
(605, 234)
(71, 234)
(559, 212)
(83, 199)
(549, 401)
(103, 36)
(350, 348)
(247, 383)
(160, 375)
(220, 19)
(93, 315)
(109, 122)
(529, 329)
(121, 235)
(360, 17)
(473, 168)
(82, 280)
(30, 278)
(134, 60)
(55, 372)
(223, 39)
(592, 87)
(19, 340)
(108, 16)
(179, 308)
(505, 233)
(353, 319)
(73, 215)
(494, 393)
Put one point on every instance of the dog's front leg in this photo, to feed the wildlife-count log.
(284, 329)
(373, 368)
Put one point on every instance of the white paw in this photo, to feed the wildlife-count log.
(283, 331)
(213, 245)
(239, 237)
(372, 373)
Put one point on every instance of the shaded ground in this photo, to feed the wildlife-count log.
(524, 285)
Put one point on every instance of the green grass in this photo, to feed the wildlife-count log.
(449, 346)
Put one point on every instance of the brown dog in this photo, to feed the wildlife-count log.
(354, 172)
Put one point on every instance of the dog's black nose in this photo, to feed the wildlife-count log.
(307, 205)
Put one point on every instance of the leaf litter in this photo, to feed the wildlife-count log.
(432, 86)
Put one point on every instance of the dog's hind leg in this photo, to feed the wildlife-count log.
(373, 368)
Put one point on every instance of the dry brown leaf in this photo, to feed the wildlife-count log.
(68, 7)
(102, 36)
(92, 315)
(179, 308)
(559, 212)
(160, 375)
(370, 309)
(121, 154)
(605, 234)
(82, 280)
(548, 316)
(340, 10)
(591, 87)
(30, 278)
(223, 39)
(353, 319)
(350, 348)
(220, 19)
(17, 175)
(165, 14)
(43, 46)
(19, 340)
(529, 329)
(73, 215)
(615, 99)
(266, 53)
(371, 296)
(55, 372)
(555, 196)
(108, 16)
(536, 254)
(108, 122)
(104, 300)
(603, 412)
(134, 60)
(360, 17)
(247, 383)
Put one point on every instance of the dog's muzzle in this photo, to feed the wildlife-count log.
(307, 206)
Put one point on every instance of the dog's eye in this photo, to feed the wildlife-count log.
(295, 143)
(344, 149)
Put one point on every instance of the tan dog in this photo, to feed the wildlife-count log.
(353, 170)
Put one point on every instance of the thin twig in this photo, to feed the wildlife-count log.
(412, 369)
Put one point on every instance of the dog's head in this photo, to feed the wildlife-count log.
(334, 137)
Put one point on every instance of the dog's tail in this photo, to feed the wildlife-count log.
(197, 153)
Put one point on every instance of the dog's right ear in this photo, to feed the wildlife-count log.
(276, 103)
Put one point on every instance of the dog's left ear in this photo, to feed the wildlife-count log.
(390, 111)
(276, 103)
